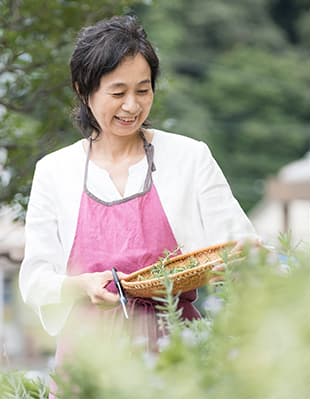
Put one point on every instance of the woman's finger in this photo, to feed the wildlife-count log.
(219, 268)
(107, 275)
(105, 297)
(108, 296)
(243, 242)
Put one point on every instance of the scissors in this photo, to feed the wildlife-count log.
(120, 290)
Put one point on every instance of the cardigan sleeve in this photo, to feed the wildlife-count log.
(222, 217)
(43, 269)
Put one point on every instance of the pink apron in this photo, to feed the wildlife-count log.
(127, 234)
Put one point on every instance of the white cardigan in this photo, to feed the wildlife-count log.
(193, 191)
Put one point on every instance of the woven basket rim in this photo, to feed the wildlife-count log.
(128, 283)
(158, 280)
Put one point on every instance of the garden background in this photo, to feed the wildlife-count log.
(234, 74)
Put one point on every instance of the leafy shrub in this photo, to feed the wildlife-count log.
(252, 343)
(16, 384)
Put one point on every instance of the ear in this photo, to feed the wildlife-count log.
(76, 86)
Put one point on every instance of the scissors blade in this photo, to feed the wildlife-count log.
(124, 308)
(121, 292)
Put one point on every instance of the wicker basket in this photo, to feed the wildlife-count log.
(186, 280)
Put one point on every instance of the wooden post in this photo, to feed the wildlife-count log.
(286, 192)
(1, 312)
(286, 217)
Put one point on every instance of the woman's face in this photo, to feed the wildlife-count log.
(124, 98)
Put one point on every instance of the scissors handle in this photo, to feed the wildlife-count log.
(118, 285)
(123, 298)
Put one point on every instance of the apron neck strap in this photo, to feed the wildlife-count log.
(87, 165)
(149, 151)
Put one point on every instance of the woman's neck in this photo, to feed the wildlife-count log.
(115, 148)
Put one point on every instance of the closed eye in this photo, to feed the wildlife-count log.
(118, 94)
(142, 91)
(139, 91)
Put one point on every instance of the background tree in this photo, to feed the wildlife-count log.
(36, 40)
(236, 75)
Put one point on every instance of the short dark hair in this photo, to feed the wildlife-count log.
(99, 50)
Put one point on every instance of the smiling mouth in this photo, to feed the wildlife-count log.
(127, 120)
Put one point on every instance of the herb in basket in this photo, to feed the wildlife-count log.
(158, 269)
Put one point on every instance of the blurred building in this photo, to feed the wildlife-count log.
(23, 342)
(286, 203)
(11, 254)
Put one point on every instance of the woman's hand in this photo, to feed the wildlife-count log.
(256, 242)
(92, 285)
(238, 247)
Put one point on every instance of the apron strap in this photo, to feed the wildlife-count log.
(149, 151)
(87, 165)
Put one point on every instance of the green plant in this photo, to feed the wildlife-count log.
(252, 343)
(16, 384)
(159, 268)
(170, 315)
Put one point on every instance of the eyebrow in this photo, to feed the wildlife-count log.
(120, 84)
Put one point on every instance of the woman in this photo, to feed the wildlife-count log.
(122, 195)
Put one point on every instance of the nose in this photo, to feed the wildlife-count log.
(130, 105)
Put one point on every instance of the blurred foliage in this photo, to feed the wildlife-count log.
(36, 42)
(252, 343)
(17, 385)
(234, 74)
